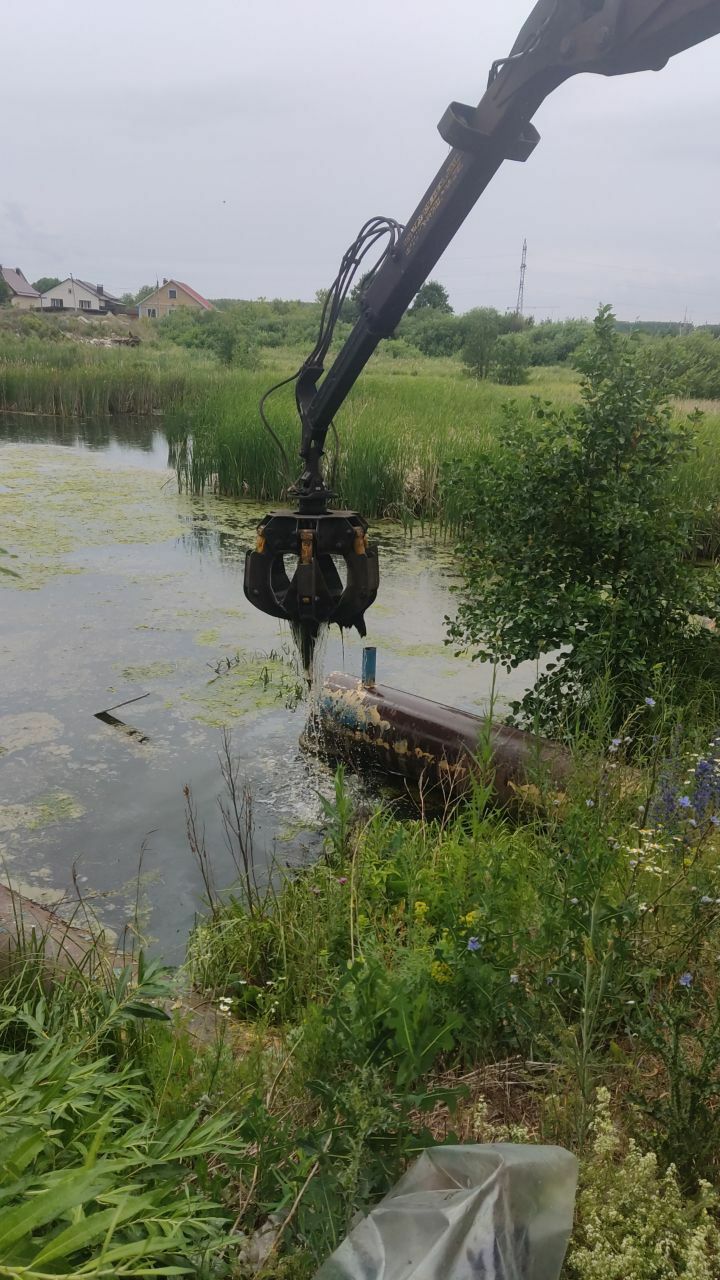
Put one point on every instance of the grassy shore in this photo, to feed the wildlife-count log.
(550, 978)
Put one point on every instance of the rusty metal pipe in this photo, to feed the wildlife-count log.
(427, 742)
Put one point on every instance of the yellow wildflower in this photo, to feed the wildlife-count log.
(440, 971)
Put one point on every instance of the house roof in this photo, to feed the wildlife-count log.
(192, 293)
(15, 280)
(93, 288)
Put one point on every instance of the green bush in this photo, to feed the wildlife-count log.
(555, 341)
(687, 366)
(577, 545)
(511, 357)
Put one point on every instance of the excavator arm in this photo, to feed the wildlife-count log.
(560, 39)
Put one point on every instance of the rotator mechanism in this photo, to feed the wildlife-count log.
(560, 39)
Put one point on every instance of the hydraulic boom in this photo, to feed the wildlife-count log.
(560, 39)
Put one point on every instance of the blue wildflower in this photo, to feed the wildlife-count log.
(707, 783)
(715, 820)
(590, 804)
(685, 802)
(649, 702)
(685, 980)
(473, 944)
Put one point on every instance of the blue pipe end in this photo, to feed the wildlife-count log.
(369, 666)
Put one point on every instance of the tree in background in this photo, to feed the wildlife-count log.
(578, 542)
(481, 329)
(46, 282)
(510, 360)
(4, 292)
(432, 296)
(555, 341)
(132, 299)
(434, 333)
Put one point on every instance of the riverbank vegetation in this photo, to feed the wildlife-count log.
(580, 544)
(546, 977)
(546, 973)
(418, 406)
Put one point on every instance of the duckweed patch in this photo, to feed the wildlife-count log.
(55, 505)
(150, 671)
(209, 637)
(250, 685)
(45, 811)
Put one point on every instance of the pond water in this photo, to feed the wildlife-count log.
(115, 587)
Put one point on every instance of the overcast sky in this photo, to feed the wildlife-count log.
(239, 144)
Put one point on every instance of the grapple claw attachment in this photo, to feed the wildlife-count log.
(296, 570)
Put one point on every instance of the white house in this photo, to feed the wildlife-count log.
(79, 295)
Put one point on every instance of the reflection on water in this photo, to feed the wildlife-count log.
(141, 593)
(129, 441)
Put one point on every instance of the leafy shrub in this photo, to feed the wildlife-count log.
(555, 341)
(576, 544)
(432, 332)
(481, 329)
(510, 359)
(687, 366)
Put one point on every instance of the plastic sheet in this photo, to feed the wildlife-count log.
(494, 1212)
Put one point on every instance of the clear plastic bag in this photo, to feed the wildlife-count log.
(495, 1212)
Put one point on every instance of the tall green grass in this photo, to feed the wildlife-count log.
(405, 418)
(73, 379)
(398, 428)
(393, 435)
(94, 1180)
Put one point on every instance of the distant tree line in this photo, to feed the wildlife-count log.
(486, 342)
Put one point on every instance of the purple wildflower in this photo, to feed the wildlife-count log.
(685, 980)
(342, 879)
(649, 702)
(473, 944)
(685, 802)
(707, 783)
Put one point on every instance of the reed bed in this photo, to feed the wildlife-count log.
(72, 379)
(393, 436)
(406, 418)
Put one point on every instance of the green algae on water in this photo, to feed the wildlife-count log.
(150, 671)
(54, 505)
(45, 811)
